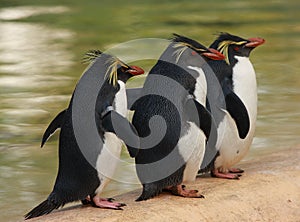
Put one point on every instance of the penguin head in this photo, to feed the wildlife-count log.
(125, 72)
(206, 53)
(231, 45)
(115, 68)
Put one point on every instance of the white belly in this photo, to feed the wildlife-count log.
(192, 148)
(232, 148)
(108, 159)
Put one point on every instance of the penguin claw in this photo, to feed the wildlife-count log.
(218, 174)
(190, 191)
(110, 199)
(236, 170)
(181, 191)
(200, 196)
(107, 203)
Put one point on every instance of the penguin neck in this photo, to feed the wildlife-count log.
(244, 84)
(120, 101)
(201, 85)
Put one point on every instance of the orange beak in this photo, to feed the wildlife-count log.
(254, 42)
(135, 70)
(214, 54)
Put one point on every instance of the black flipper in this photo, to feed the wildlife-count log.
(236, 109)
(119, 125)
(132, 96)
(239, 113)
(55, 124)
(199, 115)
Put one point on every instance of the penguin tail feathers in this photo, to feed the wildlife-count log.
(43, 208)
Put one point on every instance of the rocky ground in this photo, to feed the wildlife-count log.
(269, 190)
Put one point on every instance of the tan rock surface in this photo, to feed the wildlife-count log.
(269, 190)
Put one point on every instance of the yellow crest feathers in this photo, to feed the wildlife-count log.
(113, 62)
(91, 55)
(224, 45)
(112, 71)
(182, 46)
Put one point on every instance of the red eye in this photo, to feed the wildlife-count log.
(236, 48)
(194, 53)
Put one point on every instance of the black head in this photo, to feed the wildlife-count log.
(231, 45)
(124, 71)
(117, 70)
(197, 47)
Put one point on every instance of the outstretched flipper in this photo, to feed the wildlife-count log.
(133, 95)
(55, 124)
(119, 125)
(236, 109)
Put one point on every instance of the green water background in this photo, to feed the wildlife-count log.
(42, 43)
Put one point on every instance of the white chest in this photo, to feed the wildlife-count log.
(120, 102)
(244, 85)
(232, 147)
(192, 148)
(109, 157)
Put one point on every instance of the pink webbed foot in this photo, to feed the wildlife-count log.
(236, 170)
(103, 203)
(180, 190)
(216, 173)
(107, 203)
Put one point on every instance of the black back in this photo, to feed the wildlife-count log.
(77, 175)
(164, 94)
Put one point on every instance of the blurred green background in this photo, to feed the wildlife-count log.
(42, 43)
